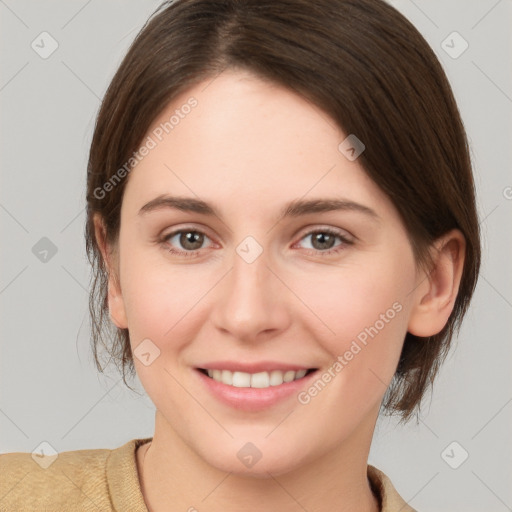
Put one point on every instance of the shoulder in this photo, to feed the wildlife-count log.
(72, 480)
(389, 497)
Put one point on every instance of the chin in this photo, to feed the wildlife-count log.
(261, 470)
(253, 460)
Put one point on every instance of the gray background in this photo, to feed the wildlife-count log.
(49, 388)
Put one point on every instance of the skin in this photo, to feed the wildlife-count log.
(249, 147)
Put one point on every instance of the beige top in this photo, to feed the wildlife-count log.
(105, 480)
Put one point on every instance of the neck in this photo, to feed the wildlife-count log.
(174, 478)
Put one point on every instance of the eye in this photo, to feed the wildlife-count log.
(323, 240)
(190, 239)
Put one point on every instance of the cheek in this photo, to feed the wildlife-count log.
(356, 297)
(163, 305)
(162, 301)
(364, 313)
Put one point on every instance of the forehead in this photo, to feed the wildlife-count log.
(245, 141)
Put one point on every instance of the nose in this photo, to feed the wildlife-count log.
(252, 301)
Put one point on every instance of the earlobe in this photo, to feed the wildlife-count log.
(436, 291)
(115, 297)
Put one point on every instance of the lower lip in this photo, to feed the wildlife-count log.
(254, 399)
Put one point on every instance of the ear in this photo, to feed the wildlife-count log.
(115, 297)
(436, 291)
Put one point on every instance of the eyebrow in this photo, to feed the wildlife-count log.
(294, 208)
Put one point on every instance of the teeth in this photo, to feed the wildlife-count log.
(255, 380)
(276, 378)
(240, 379)
(227, 377)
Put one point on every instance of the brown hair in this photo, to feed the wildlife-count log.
(363, 63)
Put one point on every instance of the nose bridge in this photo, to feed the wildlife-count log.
(250, 275)
(249, 300)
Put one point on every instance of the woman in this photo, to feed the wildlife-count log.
(282, 223)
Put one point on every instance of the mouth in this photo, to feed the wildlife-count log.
(268, 385)
(261, 380)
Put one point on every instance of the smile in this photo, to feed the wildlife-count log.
(255, 380)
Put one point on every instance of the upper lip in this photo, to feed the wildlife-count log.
(254, 367)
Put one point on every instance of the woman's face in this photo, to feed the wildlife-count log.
(251, 290)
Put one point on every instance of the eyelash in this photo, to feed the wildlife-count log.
(193, 254)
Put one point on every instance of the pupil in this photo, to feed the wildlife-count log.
(191, 237)
(322, 237)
